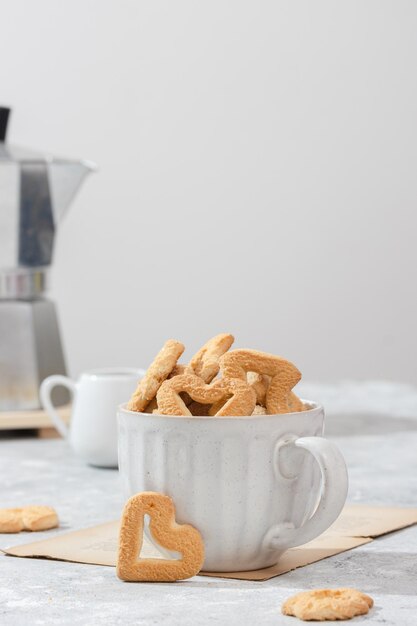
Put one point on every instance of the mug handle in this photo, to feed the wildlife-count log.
(334, 489)
(45, 395)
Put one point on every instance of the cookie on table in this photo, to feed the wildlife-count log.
(34, 518)
(327, 604)
(166, 531)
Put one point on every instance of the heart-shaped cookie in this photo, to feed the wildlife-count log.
(284, 376)
(231, 397)
(181, 538)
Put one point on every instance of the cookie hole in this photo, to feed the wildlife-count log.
(153, 548)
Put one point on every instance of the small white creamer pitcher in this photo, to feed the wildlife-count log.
(96, 395)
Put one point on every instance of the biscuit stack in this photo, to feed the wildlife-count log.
(217, 382)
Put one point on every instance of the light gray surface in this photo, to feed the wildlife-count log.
(382, 468)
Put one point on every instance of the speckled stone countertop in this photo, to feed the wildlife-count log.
(382, 463)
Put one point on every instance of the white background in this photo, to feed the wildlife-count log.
(258, 174)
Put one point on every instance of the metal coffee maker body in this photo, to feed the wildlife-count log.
(35, 192)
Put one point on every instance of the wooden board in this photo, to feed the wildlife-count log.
(16, 420)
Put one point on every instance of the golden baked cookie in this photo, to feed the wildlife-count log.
(181, 538)
(327, 604)
(295, 404)
(152, 407)
(205, 363)
(28, 518)
(158, 371)
(11, 520)
(179, 369)
(284, 375)
(39, 518)
(231, 397)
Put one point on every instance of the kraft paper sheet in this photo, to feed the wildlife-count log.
(357, 525)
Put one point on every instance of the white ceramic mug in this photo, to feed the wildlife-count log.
(253, 486)
(96, 395)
